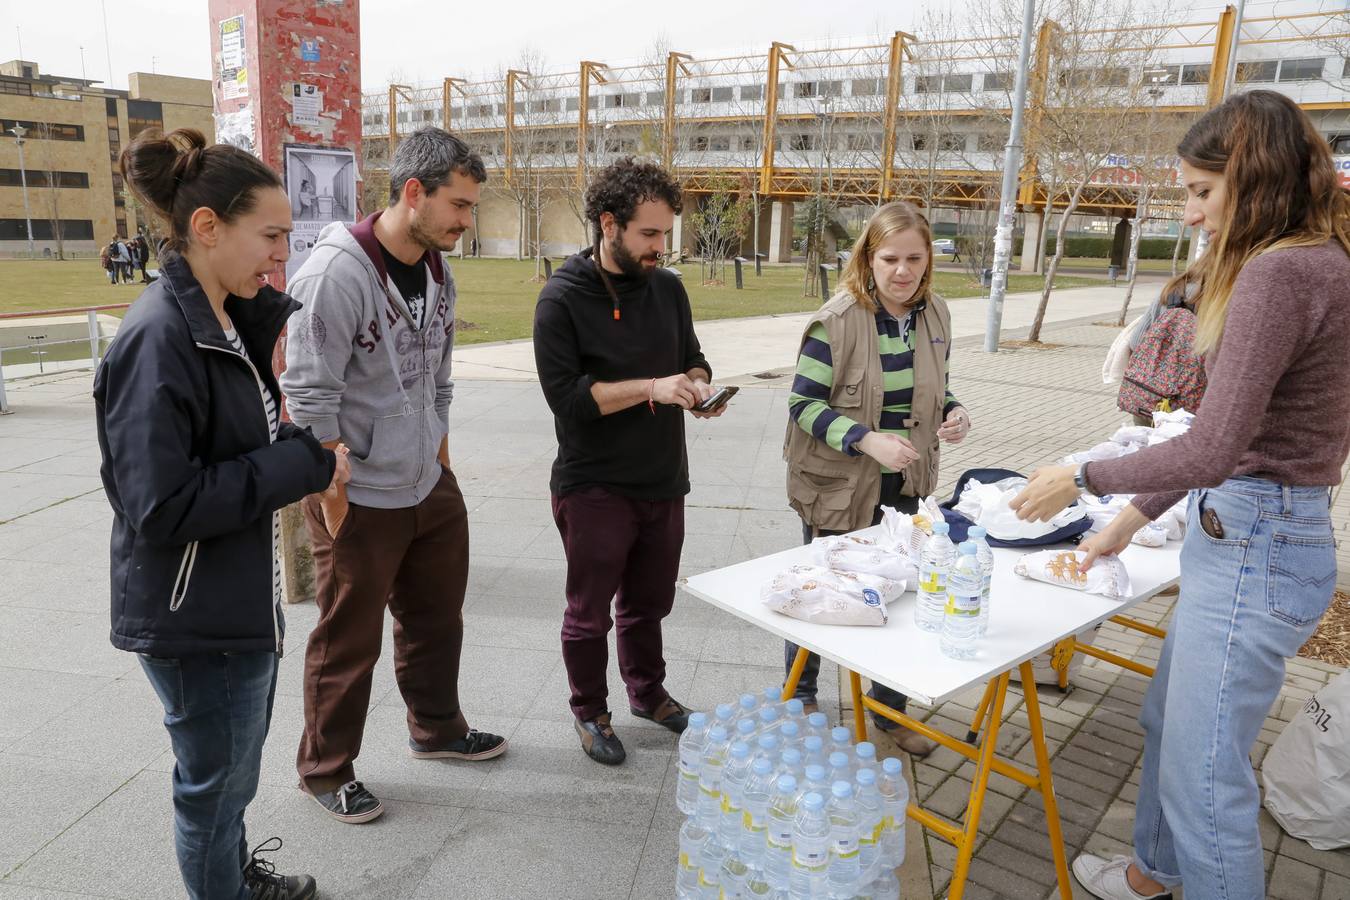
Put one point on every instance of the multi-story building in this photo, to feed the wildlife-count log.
(73, 132)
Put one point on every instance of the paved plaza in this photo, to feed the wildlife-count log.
(85, 763)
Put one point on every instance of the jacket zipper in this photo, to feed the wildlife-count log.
(271, 531)
(180, 584)
(1147, 389)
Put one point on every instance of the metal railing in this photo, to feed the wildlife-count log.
(94, 339)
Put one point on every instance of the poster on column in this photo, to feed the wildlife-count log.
(233, 59)
(321, 185)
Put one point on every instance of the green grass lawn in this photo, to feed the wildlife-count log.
(496, 296)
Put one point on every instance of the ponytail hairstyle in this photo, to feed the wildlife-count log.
(176, 174)
(1281, 188)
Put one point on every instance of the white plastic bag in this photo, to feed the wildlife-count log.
(987, 506)
(818, 595)
(1307, 772)
(864, 556)
(1107, 576)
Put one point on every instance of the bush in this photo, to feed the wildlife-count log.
(1094, 247)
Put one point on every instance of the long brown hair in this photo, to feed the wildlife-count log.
(1281, 188)
(886, 221)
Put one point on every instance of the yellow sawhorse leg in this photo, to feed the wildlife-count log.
(795, 673)
(965, 836)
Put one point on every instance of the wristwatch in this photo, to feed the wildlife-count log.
(1080, 479)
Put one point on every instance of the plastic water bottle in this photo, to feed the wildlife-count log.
(711, 764)
(844, 852)
(771, 698)
(886, 886)
(894, 804)
(815, 781)
(733, 876)
(817, 723)
(748, 706)
(755, 804)
(734, 776)
(841, 767)
(710, 869)
(790, 763)
(840, 740)
(768, 719)
(725, 715)
(810, 847)
(934, 564)
(871, 817)
(767, 747)
(691, 751)
(778, 831)
(985, 554)
(746, 729)
(813, 750)
(865, 756)
(692, 839)
(795, 711)
(961, 624)
(790, 733)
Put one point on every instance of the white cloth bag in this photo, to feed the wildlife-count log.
(1307, 772)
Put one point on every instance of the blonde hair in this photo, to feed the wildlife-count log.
(1281, 191)
(887, 220)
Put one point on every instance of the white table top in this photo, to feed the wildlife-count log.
(1026, 618)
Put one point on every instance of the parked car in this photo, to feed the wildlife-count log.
(945, 245)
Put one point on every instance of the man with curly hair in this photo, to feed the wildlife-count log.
(619, 363)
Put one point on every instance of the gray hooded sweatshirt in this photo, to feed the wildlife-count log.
(358, 370)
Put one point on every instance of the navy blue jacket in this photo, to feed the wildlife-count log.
(191, 473)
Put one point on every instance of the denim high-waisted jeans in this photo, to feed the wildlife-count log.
(1249, 599)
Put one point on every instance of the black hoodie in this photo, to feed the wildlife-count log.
(578, 341)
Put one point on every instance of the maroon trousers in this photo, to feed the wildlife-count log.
(415, 561)
(628, 552)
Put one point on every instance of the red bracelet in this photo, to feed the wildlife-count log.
(651, 397)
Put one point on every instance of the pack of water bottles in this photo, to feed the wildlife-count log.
(778, 805)
(954, 590)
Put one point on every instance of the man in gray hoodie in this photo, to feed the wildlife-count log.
(368, 364)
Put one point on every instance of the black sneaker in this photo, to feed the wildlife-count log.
(599, 740)
(474, 746)
(351, 803)
(671, 714)
(263, 883)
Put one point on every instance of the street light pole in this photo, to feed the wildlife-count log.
(19, 131)
(1007, 204)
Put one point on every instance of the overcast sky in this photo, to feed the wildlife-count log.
(470, 39)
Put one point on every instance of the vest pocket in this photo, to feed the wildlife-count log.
(849, 391)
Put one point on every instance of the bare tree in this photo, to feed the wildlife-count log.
(53, 191)
(719, 225)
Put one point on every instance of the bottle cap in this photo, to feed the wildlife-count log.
(813, 801)
(841, 789)
(718, 733)
(968, 548)
(839, 735)
(790, 731)
(867, 750)
(891, 766)
(817, 720)
(941, 528)
(725, 711)
(977, 532)
(815, 772)
(740, 749)
(748, 702)
(698, 720)
(768, 742)
(792, 757)
(838, 759)
(813, 743)
(866, 777)
(795, 707)
(764, 767)
(745, 727)
(787, 784)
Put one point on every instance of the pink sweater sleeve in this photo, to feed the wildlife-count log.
(1266, 327)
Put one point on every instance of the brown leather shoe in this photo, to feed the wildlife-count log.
(599, 740)
(671, 714)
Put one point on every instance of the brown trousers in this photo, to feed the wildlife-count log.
(416, 562)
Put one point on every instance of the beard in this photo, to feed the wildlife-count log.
(631, 266)
(432, 238)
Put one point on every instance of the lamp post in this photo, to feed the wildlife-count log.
(19, 131)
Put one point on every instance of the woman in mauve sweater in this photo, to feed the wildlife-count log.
(1258, 566)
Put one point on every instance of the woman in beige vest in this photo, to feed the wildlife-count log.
(870, 403)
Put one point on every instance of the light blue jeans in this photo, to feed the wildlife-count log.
(1248, 601)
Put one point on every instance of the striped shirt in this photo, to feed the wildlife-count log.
(809, 403)
(273, 423)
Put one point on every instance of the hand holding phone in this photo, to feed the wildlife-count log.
(718, 399)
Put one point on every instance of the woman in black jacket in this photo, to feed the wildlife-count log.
(196, 465)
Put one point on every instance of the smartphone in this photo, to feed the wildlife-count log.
(718, 399)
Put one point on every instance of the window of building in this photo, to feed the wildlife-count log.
(698, 142)
(1103, 76)
(999, 81)
(991, 141)
(614, 101)
(803, 89)
(142, 115)
(481, 110)
(52, 131)
(802, 141)
(428, 115)
(719, 143)
(71, 229)
(1159, 75)
(700, 95)
(1302, 69)
(39, 178)
(501, 109)
(833, 88)
(1257, 70)
(723, 94)
(656, 98)
(927, 84)
(865, 142)
(573, 104)
(1195, 73)
(752, 92)
(749, 142)
(957, 83)
(16, 87)
(951, 141)
(867, 87)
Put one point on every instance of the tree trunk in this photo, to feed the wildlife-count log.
(1132, 267)
(1176, 249)
(1045, 219)
(1035, 335)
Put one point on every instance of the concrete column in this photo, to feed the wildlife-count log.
(677, 236)
(1031, 242)
(780, 232)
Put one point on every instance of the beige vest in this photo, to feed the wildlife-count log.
(835, 492)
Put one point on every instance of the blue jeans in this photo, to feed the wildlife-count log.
(1249, 600)
(217, 708)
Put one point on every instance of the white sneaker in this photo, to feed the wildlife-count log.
(1105, 878)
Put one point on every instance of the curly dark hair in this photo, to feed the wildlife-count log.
(621, 186)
